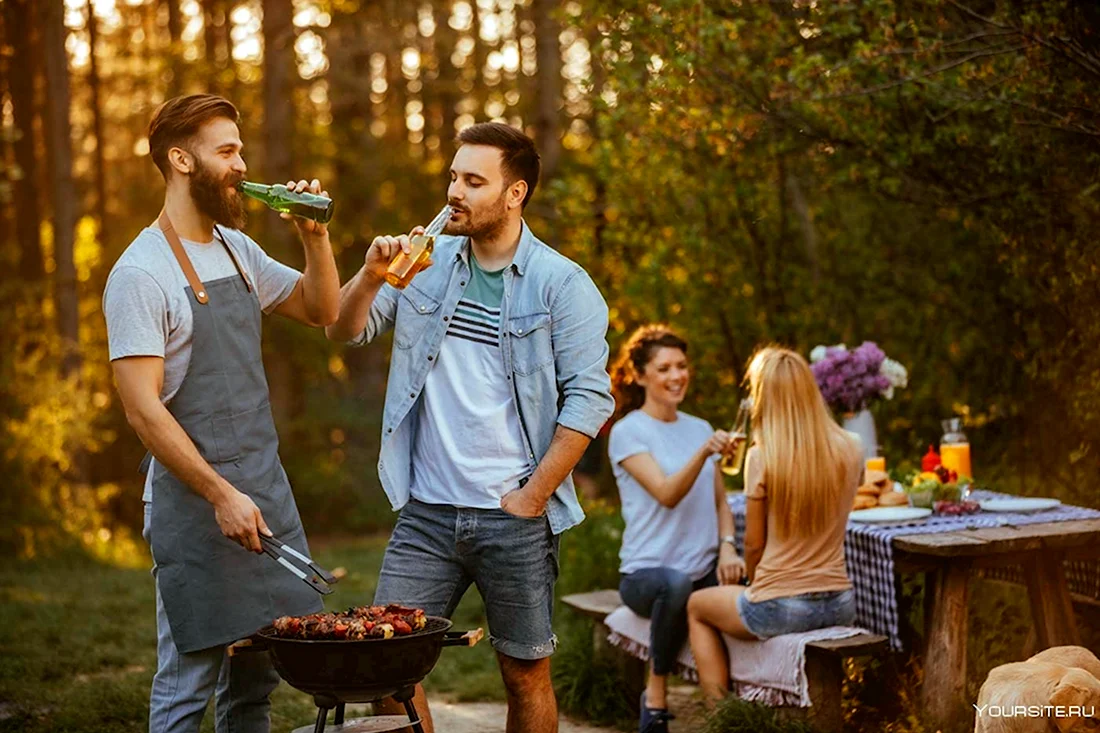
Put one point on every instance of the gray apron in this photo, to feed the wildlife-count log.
(214, 591)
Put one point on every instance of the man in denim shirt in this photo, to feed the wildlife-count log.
(498, 381)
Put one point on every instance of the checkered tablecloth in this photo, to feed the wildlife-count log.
(869, 555)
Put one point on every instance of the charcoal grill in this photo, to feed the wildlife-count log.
(336, 672)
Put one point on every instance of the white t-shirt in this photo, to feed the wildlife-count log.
(468, 450)
(684, 538)
(146, 305)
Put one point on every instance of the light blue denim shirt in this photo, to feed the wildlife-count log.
(554, 333)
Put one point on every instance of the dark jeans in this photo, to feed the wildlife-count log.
(661, 595)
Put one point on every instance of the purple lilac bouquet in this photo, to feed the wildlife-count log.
(851, 380)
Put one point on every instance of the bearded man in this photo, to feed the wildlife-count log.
(498, 381)
(183, 306)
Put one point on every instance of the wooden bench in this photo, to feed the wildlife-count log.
(824, 661)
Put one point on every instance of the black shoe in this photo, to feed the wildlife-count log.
(653, 720)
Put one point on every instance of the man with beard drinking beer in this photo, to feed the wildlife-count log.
(498, 381)
(183, 306)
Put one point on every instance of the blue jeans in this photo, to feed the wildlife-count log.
(437, 550)
(184, 683)
(661, 595)
(795, 614)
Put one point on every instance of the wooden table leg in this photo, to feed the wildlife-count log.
(945, 651)
(928, 605)
(1051, 605)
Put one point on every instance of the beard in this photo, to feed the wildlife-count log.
(218, 197)
(480, 224)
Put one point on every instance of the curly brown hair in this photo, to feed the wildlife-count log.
(633, 356)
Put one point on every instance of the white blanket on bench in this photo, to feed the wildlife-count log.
(772, 672)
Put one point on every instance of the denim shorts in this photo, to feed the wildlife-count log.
(437, 550)
(794, 614)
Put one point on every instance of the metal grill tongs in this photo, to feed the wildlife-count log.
(319, 579)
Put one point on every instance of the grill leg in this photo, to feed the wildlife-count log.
(322, 714)
(413, 717)
(339, 718)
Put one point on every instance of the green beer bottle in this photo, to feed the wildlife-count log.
(280, 198)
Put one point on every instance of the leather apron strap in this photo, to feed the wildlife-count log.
(185, 262)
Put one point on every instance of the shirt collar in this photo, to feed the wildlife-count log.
(523, 251)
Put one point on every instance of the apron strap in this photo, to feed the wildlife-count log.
(182, 258)
(247, 282)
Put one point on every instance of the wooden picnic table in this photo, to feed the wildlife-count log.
(949, 558)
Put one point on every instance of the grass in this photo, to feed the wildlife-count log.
(78, 644)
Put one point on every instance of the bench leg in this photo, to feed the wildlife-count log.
(825, 675)
(631, 670)
(945, 652)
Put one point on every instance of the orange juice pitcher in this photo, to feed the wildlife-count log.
(955, 448)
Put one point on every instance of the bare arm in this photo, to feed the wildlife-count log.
(731, 568)
(670, 490)
(315, 300)
(565, 450)
(140, 379)
(756, 533)
(359, 293)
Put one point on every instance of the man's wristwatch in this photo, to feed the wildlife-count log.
(731, 540)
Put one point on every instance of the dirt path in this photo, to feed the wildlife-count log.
(489, 717)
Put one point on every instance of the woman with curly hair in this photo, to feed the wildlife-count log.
(801, 475)
(679, 528)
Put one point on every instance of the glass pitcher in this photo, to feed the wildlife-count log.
(955, 448)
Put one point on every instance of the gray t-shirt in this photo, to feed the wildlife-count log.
(686, 537)
(146, 305)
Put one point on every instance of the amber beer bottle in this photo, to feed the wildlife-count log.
(280, 198)
(405, 266)
(730, 464)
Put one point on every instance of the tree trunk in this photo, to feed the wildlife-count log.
(63, 192)
(447, 82)
(210, 15)
(19, 24)
(175, 50)
(233, 85)
(6, 163)
(547, 114)
(97, 127)
(278, 30)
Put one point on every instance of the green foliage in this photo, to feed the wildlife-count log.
(589, 552)
(589, 559)
(817, 173)
(587, 686)
(100, 619)
(734, 715)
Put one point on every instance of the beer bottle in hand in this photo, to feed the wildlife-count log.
(280, 198)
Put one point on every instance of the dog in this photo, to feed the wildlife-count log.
(1070, 656)
(1038, 697)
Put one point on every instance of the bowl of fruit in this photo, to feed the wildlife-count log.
(941, 490)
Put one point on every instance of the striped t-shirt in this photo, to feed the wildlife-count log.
(468, 450)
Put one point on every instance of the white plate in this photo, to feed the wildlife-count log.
(1022, 504)
(890, 514)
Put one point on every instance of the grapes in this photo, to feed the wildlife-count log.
(956, 508)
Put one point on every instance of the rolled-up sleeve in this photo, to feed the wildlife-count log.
(380, 318)
(579, 332)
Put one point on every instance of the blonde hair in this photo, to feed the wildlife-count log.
(806, 455)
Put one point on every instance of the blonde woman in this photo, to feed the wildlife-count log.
(801, 476)
(679, 528)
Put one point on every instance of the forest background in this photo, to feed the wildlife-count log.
(920, 174)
